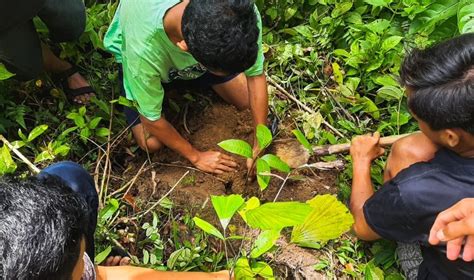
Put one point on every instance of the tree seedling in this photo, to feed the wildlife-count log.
(263, 164)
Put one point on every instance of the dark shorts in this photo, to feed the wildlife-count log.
(20, 48)
(80, 181)
(206, 80)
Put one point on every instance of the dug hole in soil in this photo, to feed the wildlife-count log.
(204, 123)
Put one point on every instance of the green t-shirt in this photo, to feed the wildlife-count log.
(137, 39)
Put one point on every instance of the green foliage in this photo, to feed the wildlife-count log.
(238, 147)
(277, 215)
(264, 136)
(328, 220)
(226, 207)
(265, 241)
(208, 228)
(4, 74)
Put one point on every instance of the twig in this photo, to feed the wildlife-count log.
(337, 164)
(32, 167)
(305, 107)
(281, 187)
(168, 193)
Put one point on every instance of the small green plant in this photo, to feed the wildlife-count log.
(314, 223)
(86, 126)
(263, 164)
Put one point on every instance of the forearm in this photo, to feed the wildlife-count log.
(139, 273)
(258, 94)
(362, 190)
(170, 137)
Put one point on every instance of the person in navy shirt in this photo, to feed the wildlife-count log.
(427, 172)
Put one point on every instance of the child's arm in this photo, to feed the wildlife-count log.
(258, 94)
(139, 273)
(364, 149)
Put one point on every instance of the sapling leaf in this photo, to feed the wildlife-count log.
(466, 16)
(278, 215)
(238, 147)
(276, 163)
(109, 210)
(262, 167)
(264, 136)
(265, 241)
(328, 220)
(208, 228)
(226, 206)
(302, 139)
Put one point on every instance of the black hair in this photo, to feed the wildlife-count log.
(440, 81)
(222, 35)
(42, 223)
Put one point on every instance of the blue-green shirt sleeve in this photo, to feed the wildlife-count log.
(257, 68)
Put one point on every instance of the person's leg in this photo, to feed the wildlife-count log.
(20, 51)
(407, 151)
(80, 181)
(144, 140)
(66, 20)
(234, 91)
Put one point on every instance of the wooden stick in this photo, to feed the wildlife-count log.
(344, 148)
(306, 108)
(32, 167)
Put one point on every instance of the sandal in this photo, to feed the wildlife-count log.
(70, 93)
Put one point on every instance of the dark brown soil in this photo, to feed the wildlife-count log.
(208, 126)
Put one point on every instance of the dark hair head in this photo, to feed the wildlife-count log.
(440, 81)
(42, 223)
(222, 34)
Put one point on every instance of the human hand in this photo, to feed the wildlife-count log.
(366, 148)
(215, 162)
(455, 226)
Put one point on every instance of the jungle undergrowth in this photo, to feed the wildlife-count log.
(339, 58)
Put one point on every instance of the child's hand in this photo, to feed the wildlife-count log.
(366, 148)
(215, 162)
(456, 226)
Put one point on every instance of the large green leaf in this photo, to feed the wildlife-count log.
(390, 43)
(4, 74)
(378, 3)
(226, 206)
(238, 147)
(262, 167)
(277, 215)
(276, 163)
(265, 241)
(264, 136)
(435, 14)
(466, 16)
(328, 220)
(243, 270)
(111, 207)
(262, 269)
(251, 203)
(207, 227)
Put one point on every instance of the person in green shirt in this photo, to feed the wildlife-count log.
(218, 42)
